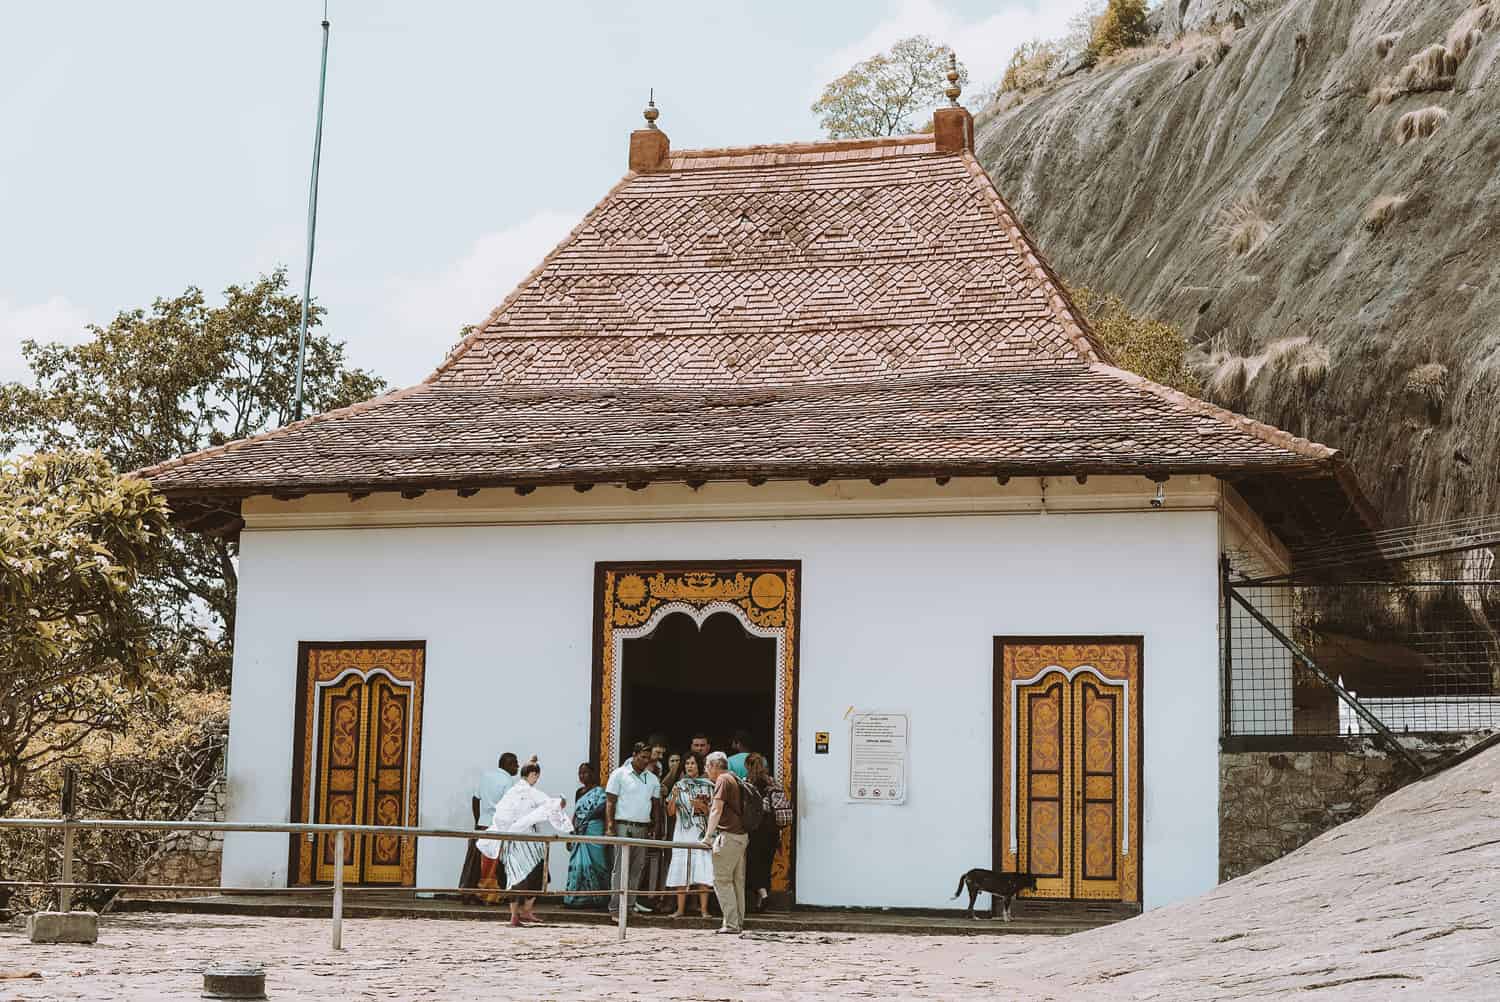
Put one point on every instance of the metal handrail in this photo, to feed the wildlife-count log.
(71, 825)
(291, 827)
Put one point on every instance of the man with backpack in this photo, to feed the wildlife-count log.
(727, 832)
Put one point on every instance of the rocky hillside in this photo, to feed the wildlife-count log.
(1314, 199)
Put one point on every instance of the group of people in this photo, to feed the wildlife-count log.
(728, 802)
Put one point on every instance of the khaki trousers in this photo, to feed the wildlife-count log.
(630, 881)
(729, 877)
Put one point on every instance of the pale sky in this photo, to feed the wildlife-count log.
(153, 145)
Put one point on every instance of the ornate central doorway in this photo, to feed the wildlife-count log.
(735, 615)
(688, 675)
(1068, 765)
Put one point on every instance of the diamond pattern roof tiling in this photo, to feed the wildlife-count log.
(839, 308)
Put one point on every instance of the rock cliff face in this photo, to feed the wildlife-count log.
(1314, 199)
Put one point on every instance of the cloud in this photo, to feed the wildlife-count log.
(425, 313)
(983, 44)
(55, 319)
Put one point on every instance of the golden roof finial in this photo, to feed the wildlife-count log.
(953, 89)
(651, 114)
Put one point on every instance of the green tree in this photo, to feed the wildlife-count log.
(882, 95)
(1122, 26)
(166, 380)
(1147, 347)
(75, 542)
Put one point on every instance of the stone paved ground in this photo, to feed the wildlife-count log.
(1401, 903)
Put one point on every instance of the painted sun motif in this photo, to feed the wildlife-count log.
(631, 591)
(768, 590)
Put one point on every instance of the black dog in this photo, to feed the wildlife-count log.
(1002, 886)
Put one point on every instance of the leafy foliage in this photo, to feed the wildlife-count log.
(1029, 66)
(882, 95)
(157, 763)
(75, 541)
(1148, 347)
(1122, 26)
(140, 708)
(1078, 36)
(177, 377)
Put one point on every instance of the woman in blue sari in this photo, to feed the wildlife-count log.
(588, 864)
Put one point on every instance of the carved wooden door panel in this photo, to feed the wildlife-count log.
(341, 783)
(1068, 781)
(359, 720)
(388, 708)
(1098, 712)
(1045, 780)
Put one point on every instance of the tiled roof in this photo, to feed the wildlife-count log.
(729, 271)
(1063, 418)
(838, 308)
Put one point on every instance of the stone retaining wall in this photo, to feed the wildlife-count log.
(1271, 802)
(189, 857)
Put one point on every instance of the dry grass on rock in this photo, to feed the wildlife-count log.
(1420, 124)
(1244, 227)
(1468, 31)
(1228, 375)
(1383, 211)
(1385, 43)
(1305, 362)
(1281, 352)
(1311, 367)
(1429, 383)
(1431, 69)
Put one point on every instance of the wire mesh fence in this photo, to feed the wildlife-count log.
(1413, 656)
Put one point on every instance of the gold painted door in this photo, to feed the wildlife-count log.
(1071, 794)
(340, 797)
(1098, 712)
(358, 762)
(389, 707)
(364, 744)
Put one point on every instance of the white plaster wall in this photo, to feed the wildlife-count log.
(897, 614)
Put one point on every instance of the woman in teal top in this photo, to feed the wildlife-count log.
(588, 864)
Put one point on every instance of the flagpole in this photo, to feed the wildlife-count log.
(312, 223)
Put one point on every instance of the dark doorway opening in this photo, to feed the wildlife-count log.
(682, 679)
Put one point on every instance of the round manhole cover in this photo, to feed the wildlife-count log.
(234, 981)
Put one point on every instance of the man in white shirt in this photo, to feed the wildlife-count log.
(632, 809)
(492, 786)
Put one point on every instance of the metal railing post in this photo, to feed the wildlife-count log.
(624, 888)
(65, 893)
(69, 808)
(1228, 674)
(338, 890)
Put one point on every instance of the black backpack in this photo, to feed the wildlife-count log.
(752, 806)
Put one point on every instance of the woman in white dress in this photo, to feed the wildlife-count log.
(688, 803)
(524, 810)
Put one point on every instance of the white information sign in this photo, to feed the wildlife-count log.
(878, 749)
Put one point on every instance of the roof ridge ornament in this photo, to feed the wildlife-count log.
(650, 150)
(953, 90)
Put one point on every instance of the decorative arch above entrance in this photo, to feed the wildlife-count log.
(632, 600)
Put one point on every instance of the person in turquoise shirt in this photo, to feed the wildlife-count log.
(740, 746)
